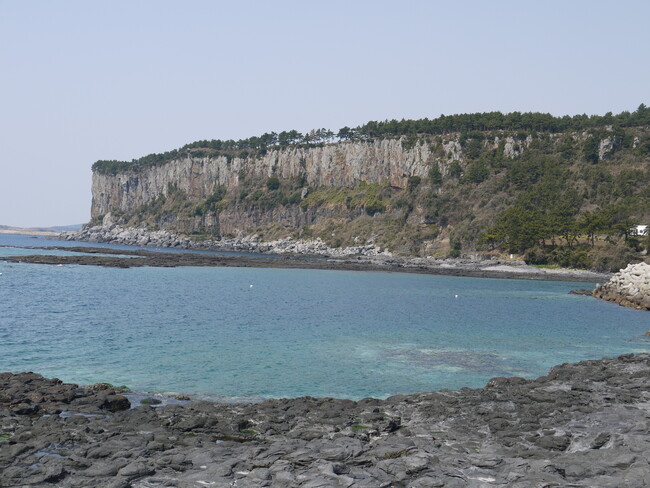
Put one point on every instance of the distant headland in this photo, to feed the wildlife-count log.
(566, 191)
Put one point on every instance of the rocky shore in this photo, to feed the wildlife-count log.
(629, 287)
(366, 257)
(115, 234)
(583, 424)
(119, 258)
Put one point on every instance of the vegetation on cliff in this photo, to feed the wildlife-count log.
(564, 191)
(467, 124)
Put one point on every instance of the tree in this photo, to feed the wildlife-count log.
(591, 149)
(345, 134)
(592, 223)
(477, 172)
(456, 248)
(269, 139)
(435, 175)
(324, 135)
(518, 229)
(287, 138)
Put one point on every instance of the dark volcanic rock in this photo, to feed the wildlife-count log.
(459, 267)
(583, 424)
(587, 293)
(115, 403)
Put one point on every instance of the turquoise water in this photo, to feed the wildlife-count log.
(296, 332)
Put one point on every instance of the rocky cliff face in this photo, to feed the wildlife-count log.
(237, 220)
(419, 195)
(332, 165)
(344, 164)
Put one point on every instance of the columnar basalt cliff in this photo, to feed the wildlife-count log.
(328, 184)
(346, 164)
(556, 197)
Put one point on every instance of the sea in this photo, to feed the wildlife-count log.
(247, 334)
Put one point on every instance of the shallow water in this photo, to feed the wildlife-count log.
(23, 243)
(296, 332)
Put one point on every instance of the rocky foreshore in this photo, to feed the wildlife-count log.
(368, 256)
(583, 424)
(133, 236)
(629, 287)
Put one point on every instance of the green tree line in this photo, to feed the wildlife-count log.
(463, 123)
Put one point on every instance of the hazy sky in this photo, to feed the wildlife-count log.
(88, 80)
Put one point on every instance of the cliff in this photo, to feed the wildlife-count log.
(344, 164)
(563, 198)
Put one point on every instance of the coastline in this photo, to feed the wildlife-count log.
(30, 232)
(582, 424)
(286, 253)
(445, 267)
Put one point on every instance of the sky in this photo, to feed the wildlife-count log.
(88, 80)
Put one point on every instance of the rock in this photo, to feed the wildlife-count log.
(379, 161)
(502, 381)
(368, 256)
(554, 442)
(109, 468)
(622, 461)
(115, 234)
(600, 440)
(150, 401)
(135, 469)
(629, 287)
(605, 147)
(115, 403)
(583, 424)
(582, 292)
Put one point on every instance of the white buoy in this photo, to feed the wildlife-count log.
(455, 296)
(250, 286)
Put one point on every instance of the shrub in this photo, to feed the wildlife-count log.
(477, 172)
(590, 151)
(612, 257)
(455, 249)
(455, 170)
(273, 183)
(374, 206)
(536, 255)
(435, 175)
(413, 182)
